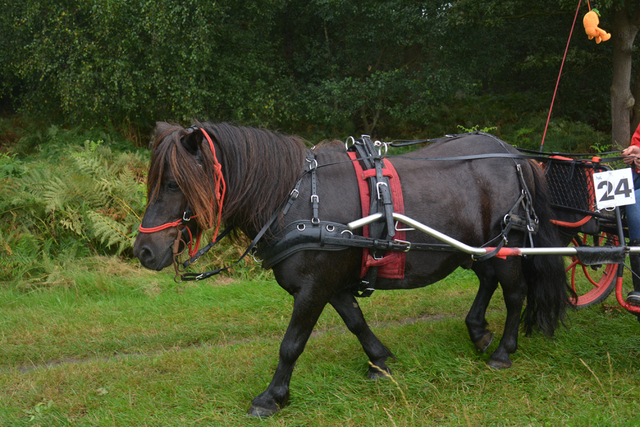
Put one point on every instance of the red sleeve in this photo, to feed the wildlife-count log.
(635, 140)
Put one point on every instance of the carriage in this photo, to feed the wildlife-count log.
(570, 178)
(338, 221)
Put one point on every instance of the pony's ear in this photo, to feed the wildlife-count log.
(192, 140)
(161, 127)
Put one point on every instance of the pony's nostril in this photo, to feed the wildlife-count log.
(144, 254)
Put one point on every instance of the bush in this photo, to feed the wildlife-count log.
(64, 197)
(73, 201)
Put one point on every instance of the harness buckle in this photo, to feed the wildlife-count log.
(379, 144)
(378, 185)
(346, 144)
(403, 242)
(315, 198)
(313, 164)
(294, 194)
(253, 254)
(186, 218)
(364, 290)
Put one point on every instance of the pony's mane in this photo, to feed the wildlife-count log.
(259, 167)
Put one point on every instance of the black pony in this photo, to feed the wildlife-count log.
(240, 176)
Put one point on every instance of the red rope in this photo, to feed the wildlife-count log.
(220, 187)
(560, 74)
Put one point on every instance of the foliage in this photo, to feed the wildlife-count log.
(65, 198)
(320, 66)
(132, 63)
(69, 201)
(10, 167)
(476, 128)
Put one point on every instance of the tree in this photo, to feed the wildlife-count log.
(131, 63)
(625, 108)
(365, 65)
(351, 65)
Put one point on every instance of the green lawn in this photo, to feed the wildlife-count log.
(110, 344)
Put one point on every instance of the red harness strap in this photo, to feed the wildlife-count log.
(391, 265)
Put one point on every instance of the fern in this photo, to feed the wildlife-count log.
(55, 194)
(91, 165)
(73, 220)
(73, 201)
(10, 166)
(110, 232)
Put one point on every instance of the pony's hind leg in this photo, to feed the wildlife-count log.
(514, 289)
(347, 307)
(475, 320)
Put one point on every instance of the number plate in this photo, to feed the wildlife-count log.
(614, 188)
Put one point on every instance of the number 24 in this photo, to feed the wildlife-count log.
(621, 189)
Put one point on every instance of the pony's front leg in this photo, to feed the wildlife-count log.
(347, 307)
(306, 312)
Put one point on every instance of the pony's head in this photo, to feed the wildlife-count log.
(185, 191)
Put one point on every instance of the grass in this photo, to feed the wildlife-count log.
(114, 345)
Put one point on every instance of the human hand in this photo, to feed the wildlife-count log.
(631, 155)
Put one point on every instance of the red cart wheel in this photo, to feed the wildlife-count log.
(592, 284)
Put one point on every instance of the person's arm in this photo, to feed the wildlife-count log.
(635, 140)
(632, 152)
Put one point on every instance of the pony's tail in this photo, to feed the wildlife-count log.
(548, 293)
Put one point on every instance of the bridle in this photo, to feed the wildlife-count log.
(181, 224)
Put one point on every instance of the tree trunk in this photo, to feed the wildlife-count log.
(624, 33)
(365, 121)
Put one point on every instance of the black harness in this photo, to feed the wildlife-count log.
(370, 157)
(329, 236)
(315, 234)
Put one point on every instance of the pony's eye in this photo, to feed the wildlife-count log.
(173, 186)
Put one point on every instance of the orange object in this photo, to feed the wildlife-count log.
(591, 21)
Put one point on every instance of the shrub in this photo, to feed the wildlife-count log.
(83, 200)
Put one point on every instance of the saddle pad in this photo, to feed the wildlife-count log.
(391, 265)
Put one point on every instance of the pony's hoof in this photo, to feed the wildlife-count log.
(483, 343)
(261, 412)
(499, 364)
(376, 372)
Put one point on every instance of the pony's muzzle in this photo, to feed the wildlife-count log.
(152, 256)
